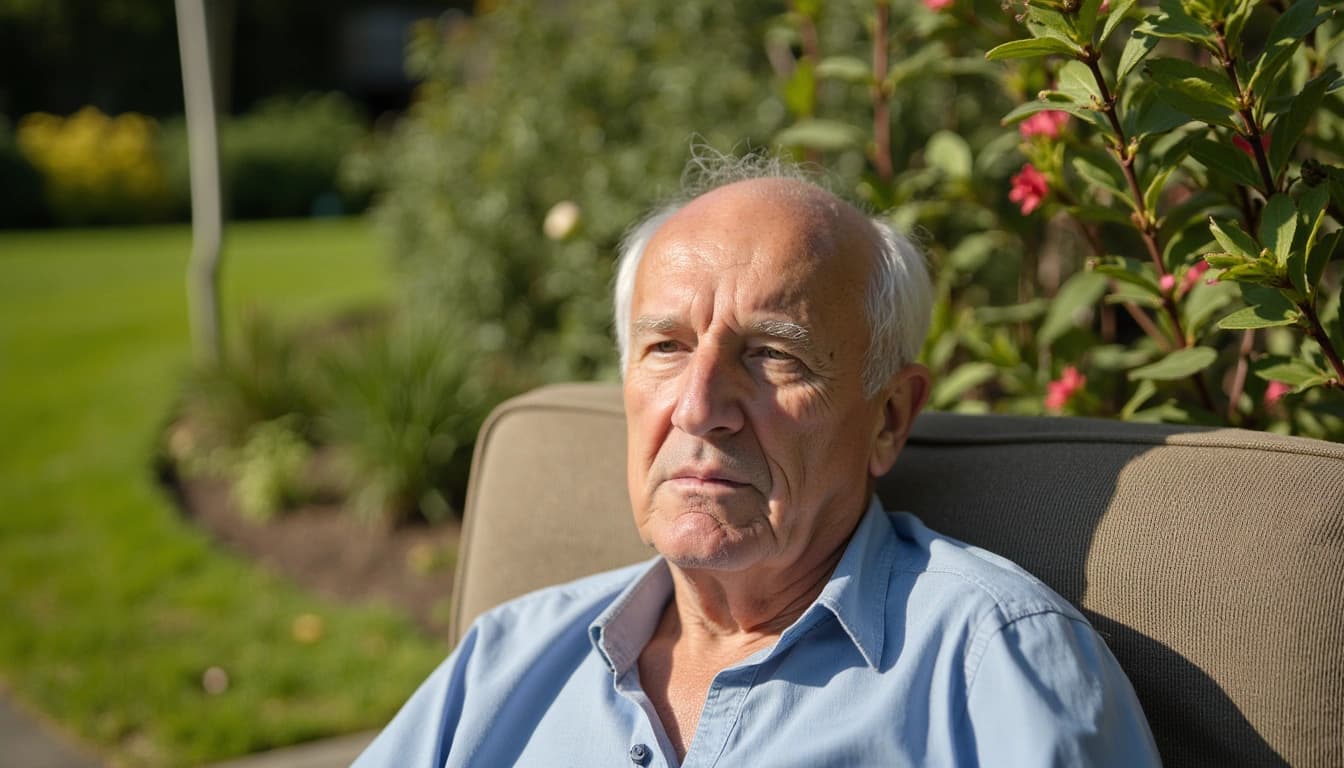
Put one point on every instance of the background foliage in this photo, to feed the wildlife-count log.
(280, 159)
(1072, 170)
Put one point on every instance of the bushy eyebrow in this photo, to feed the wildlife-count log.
(652, 324)
(784, 330)
(798, 335)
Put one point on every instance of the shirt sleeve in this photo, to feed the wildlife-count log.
(406, 741)
(1048, 692)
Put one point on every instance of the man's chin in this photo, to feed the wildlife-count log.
(705, 540)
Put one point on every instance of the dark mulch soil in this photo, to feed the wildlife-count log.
(330, 552)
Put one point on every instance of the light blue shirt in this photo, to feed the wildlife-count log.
(920, 650)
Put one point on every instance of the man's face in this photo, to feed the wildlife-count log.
(750, 438)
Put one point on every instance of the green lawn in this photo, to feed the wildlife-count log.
(111, 607)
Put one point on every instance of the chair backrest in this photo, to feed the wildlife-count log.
(1212, 561)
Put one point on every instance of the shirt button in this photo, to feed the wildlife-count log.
(639, 754)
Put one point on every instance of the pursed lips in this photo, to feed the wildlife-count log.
(708, 477)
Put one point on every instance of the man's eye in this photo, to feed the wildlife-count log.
(664, 347)
(770, 353)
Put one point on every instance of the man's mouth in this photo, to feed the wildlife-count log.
(709, 479)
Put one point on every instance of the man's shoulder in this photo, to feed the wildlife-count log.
(980, 581)
(585, 595)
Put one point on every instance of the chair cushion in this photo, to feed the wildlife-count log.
(1212, 561)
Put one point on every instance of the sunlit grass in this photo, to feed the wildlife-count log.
(113, 606)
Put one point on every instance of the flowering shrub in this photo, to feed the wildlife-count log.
(1134, 207)
(96, 168)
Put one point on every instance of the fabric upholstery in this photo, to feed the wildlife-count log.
(1212, 561)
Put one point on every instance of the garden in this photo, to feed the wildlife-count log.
(1133, 211)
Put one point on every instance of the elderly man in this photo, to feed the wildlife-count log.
(767, 333)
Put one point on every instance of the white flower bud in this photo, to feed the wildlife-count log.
(562, 220)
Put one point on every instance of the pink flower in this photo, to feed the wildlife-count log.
(1029, 189)
(937, 5)
(1193, 274)
(1105, 6)
(1061, 390)
(1244, 144)
(1046, 123)
(1275, 391)
(1166, 282)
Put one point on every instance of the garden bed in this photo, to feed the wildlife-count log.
(323, 548)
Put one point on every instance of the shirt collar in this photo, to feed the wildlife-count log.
(855, 594)
(621, 631)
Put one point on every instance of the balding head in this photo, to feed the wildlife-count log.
(897, 299)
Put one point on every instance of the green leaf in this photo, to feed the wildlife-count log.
(1136, 50)
(1076, 295)
(1147, 114)
(1223, 260)
(1225, 161)
(1201, 303)
(1288, 129)
(1027, 109)
(1312, 210)
(847, 69)
(1278, 225)
(1289, 371)
(1182, 247)
(1131, 271)
(1177, 365)
(955, 384)
(1260, 272)
(949, 153)
(1319, 256)
(1099, 213)
(1297, 21)
(1118, 357)
(1102, 177)
(1125, 293)
(1087, 19)
(1230, 235)
(1193, 212)
(1153, 193)
(824, 135)
(1290, 28)
(973, 251)
(915, 66)
(1025, 312)
(1174, 22)
(1236, 22)
(1119, 10)
(1033, 47)
(1142, 394)
(1266, 315)
(1066, 103)
(1076, 81)
(1047, 22)
(800, 91)
(1203, 93)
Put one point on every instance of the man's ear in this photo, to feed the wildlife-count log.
(901, 401)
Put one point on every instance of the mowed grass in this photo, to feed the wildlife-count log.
(112, 606)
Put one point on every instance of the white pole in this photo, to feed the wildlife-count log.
(207, 210)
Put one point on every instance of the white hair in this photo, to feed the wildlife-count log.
(899, 298)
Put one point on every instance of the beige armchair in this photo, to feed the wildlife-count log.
(1212, 561)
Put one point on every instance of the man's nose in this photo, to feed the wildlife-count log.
(710, 394)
